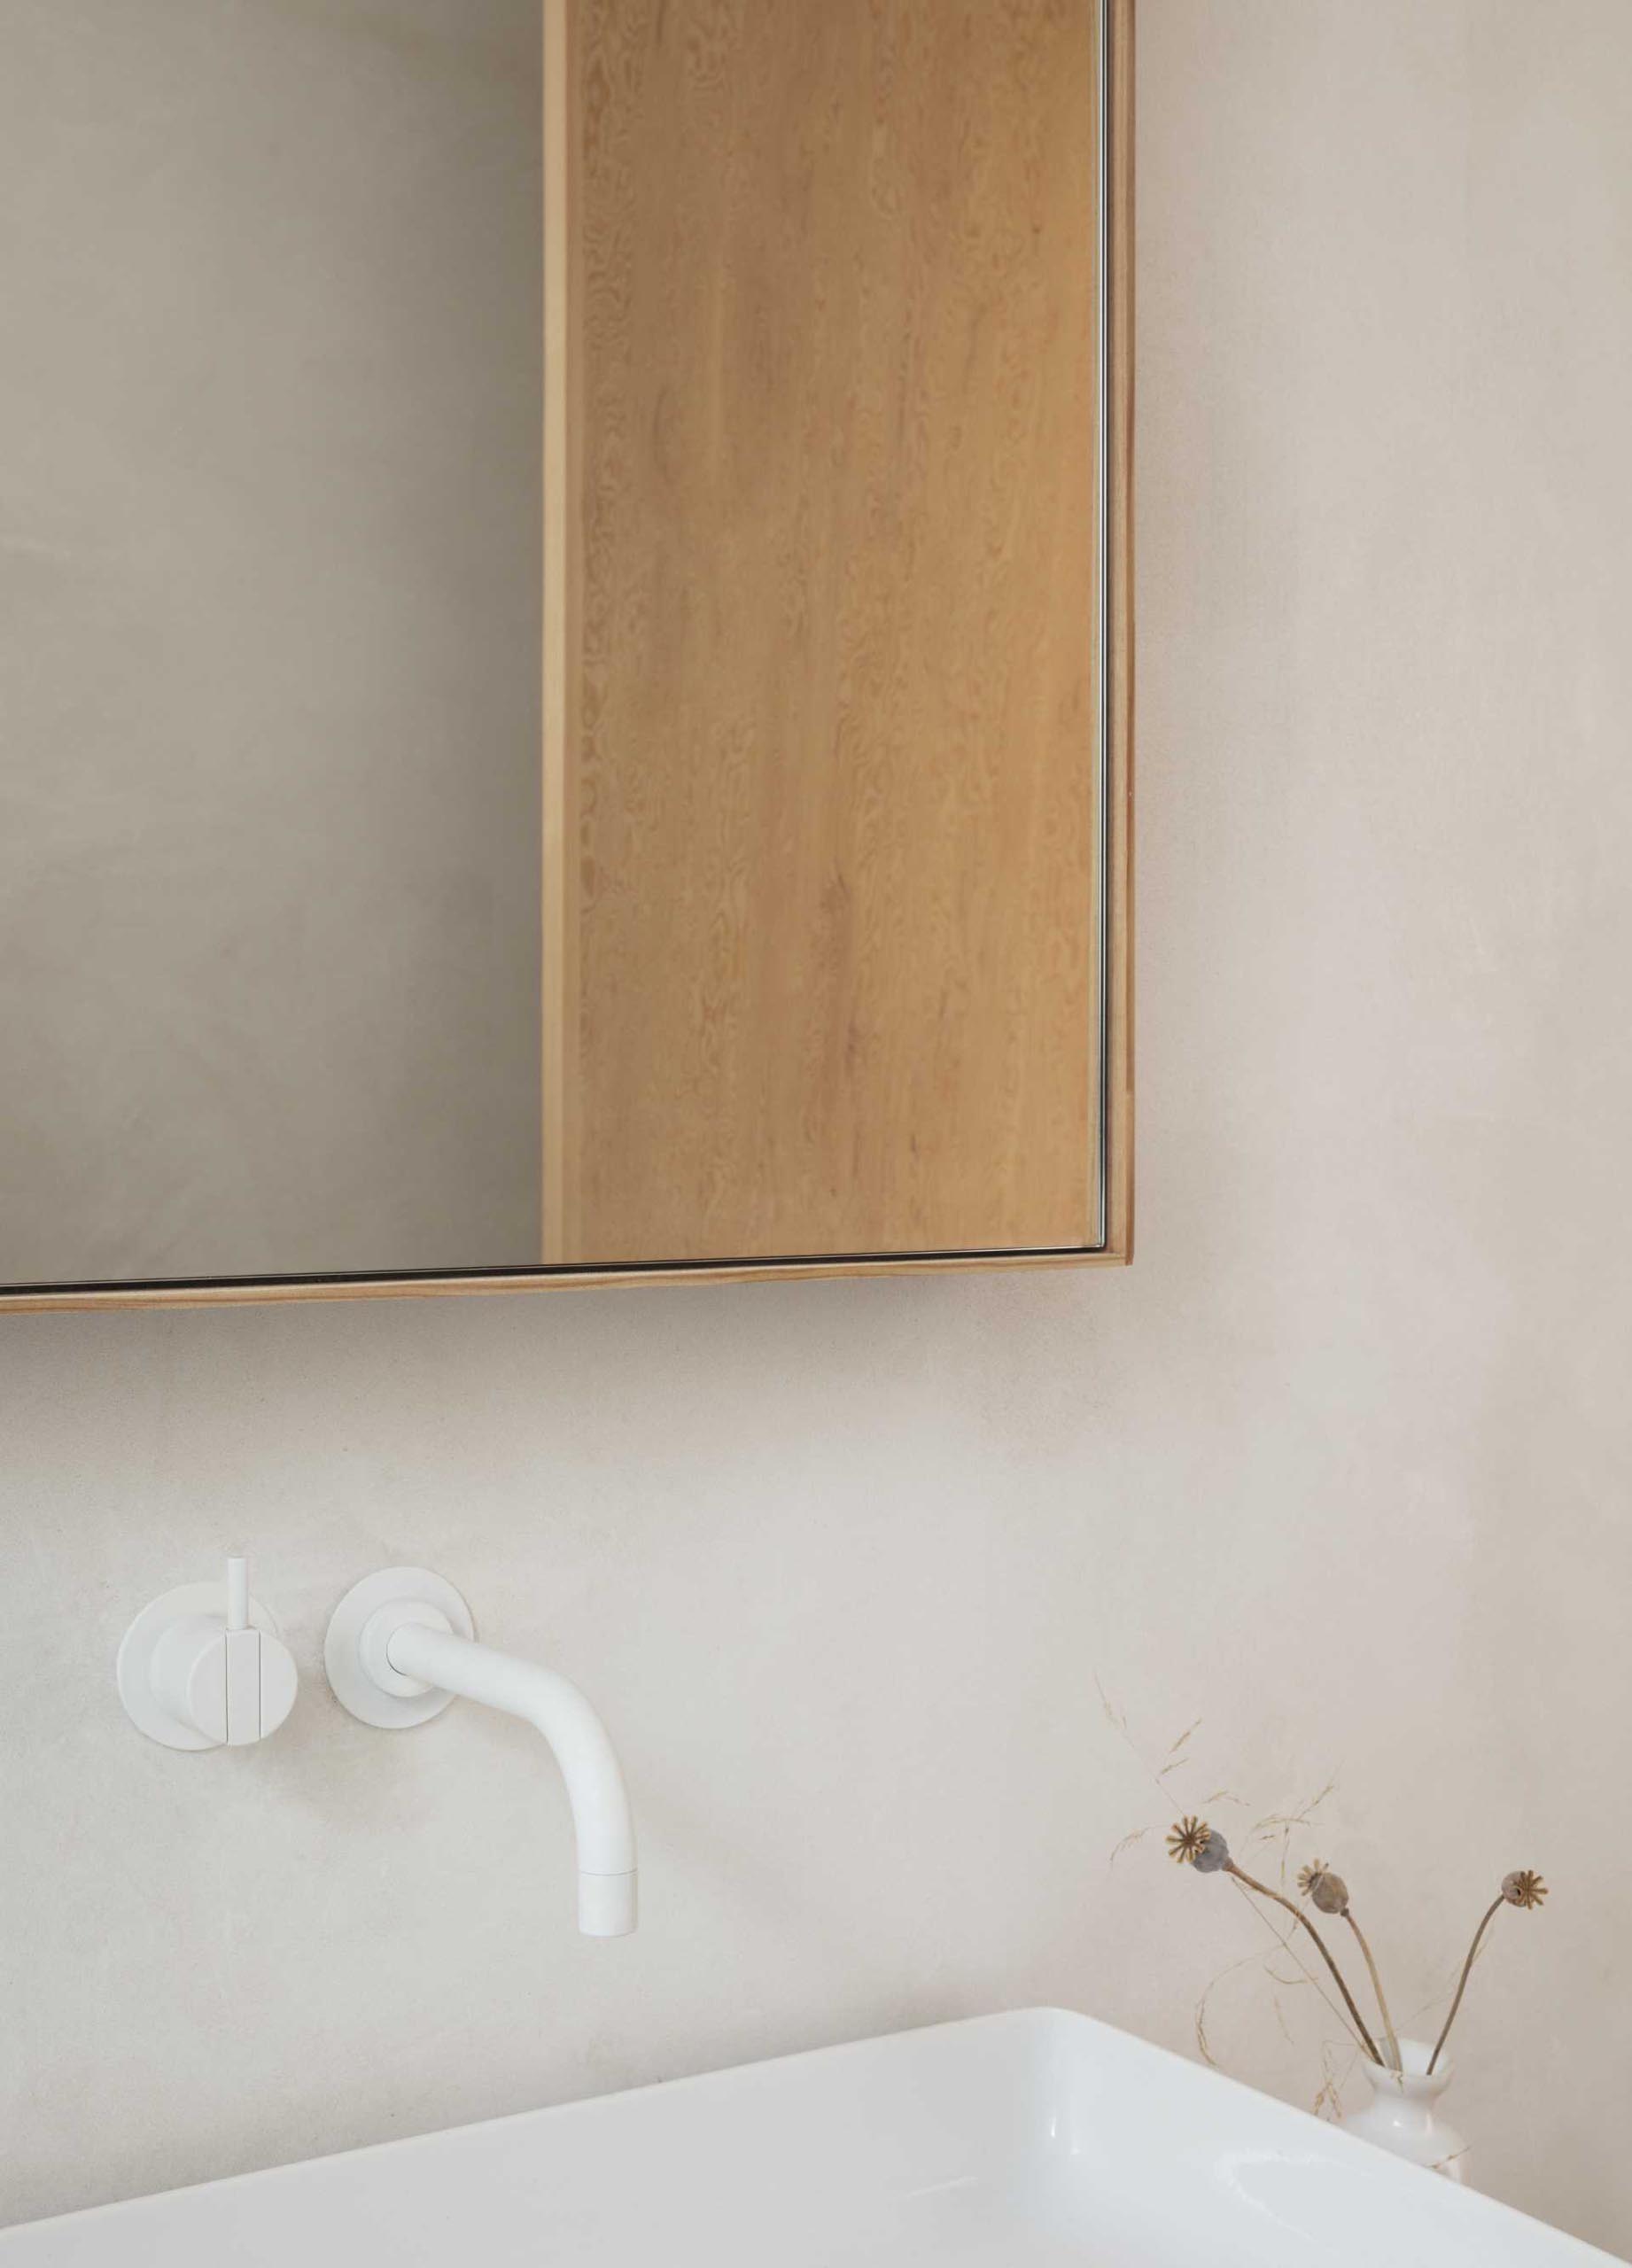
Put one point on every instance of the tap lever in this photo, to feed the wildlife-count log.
(205, 1667)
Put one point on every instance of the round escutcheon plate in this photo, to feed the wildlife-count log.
(355, 1687)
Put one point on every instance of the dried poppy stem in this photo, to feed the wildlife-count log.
(1330, 1893)
(1390, 2037)
(1523, 1888)
(1491, 1912)
(1298, 1915)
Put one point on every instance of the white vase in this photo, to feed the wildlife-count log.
(1402, 2114)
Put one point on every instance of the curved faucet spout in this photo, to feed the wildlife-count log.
(555, 1707)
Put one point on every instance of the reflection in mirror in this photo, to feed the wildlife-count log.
(270, 588)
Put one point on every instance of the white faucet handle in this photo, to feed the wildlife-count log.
(260, 1684)
(205, 1667)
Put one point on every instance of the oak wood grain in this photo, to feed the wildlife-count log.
(835, 914)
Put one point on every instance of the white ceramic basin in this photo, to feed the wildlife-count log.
(1008, 2141)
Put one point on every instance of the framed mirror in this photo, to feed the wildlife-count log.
(567, 649)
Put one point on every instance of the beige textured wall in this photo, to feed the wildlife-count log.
(1340, 1468)
(268, 637)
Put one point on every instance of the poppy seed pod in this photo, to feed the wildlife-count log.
(1327, 1892)
(1522, 1889)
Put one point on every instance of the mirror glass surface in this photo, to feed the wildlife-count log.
(451, 822)
(269, 879)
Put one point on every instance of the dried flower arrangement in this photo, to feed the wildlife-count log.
(1193, 1843)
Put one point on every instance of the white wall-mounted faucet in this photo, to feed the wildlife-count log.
(401, 1644)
